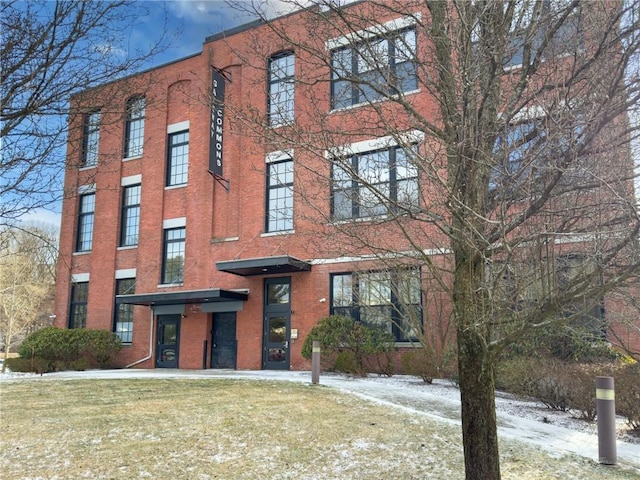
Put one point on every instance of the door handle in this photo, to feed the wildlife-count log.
(286, 344)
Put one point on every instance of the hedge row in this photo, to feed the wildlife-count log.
(570, 387)
(52, 349)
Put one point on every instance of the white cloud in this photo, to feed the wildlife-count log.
(40, 216)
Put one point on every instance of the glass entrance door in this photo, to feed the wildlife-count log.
(167, 341)
(277, 324)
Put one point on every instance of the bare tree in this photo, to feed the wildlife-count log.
(27, 278)
(502, 168)
(49, 52)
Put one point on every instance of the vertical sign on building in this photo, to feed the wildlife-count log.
(216, 126)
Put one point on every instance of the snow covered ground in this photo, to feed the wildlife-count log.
(521, 419)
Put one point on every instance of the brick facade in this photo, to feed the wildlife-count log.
(222, 225)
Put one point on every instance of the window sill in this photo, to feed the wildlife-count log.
(169, 285)
(278, 233)
(84, 252)
(226, 239)
(127, 247)
(126, 159)
(82, 168)
(175, 187)
(281, 125)
(359, 220)
(372, 102)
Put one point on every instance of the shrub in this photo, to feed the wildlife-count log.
(559, 385)
(61, 348)
(19, 364)
(338, 334)
(101, 346)
(627, 385)
(420, 362)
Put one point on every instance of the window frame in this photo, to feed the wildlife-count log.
(166, 244)
(130, 211)
(356, 309)
(78, 300)
(134, 127)
(355, 176)
(520, 26)
(354, 94)
(279, 117)
(123, 312)
(275, 215)
(86, 221)
(90, 139)
(177, 173)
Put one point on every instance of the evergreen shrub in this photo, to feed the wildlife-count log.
(77, 348)
(350, 346)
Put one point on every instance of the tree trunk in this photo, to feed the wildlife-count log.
(475, 362)
(479, 431)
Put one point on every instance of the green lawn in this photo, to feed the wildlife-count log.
(234, 429)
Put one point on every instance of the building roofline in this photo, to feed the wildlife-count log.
(259, 22)
(137, 73)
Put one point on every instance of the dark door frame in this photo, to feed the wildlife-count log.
(227, 352)
(276, 344)
(167, 354)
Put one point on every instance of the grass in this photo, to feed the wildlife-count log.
(234, 429)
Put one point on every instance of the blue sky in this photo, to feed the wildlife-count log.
(189, 22)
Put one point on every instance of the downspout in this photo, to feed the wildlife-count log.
(150, 344)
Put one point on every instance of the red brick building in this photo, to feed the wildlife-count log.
(193, 237)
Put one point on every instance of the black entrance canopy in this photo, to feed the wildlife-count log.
(215, 295)
(264, 266)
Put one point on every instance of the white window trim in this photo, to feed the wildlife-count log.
(174, 223)
(413, 136)
(80, 277)
(132, 180)
(84, 189)
(178, 127)
(373, 31)
(125, 273)
(278, 156)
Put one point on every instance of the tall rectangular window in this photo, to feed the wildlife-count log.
(78, 305)
(281, 89)
(130, 220)
(173, 258)
(134, 135)
(91, 139)
(123, 324)
(390, 300)
(279, 196)
(374, 183)
(379, 66)
(178, 162)
(85, 222)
